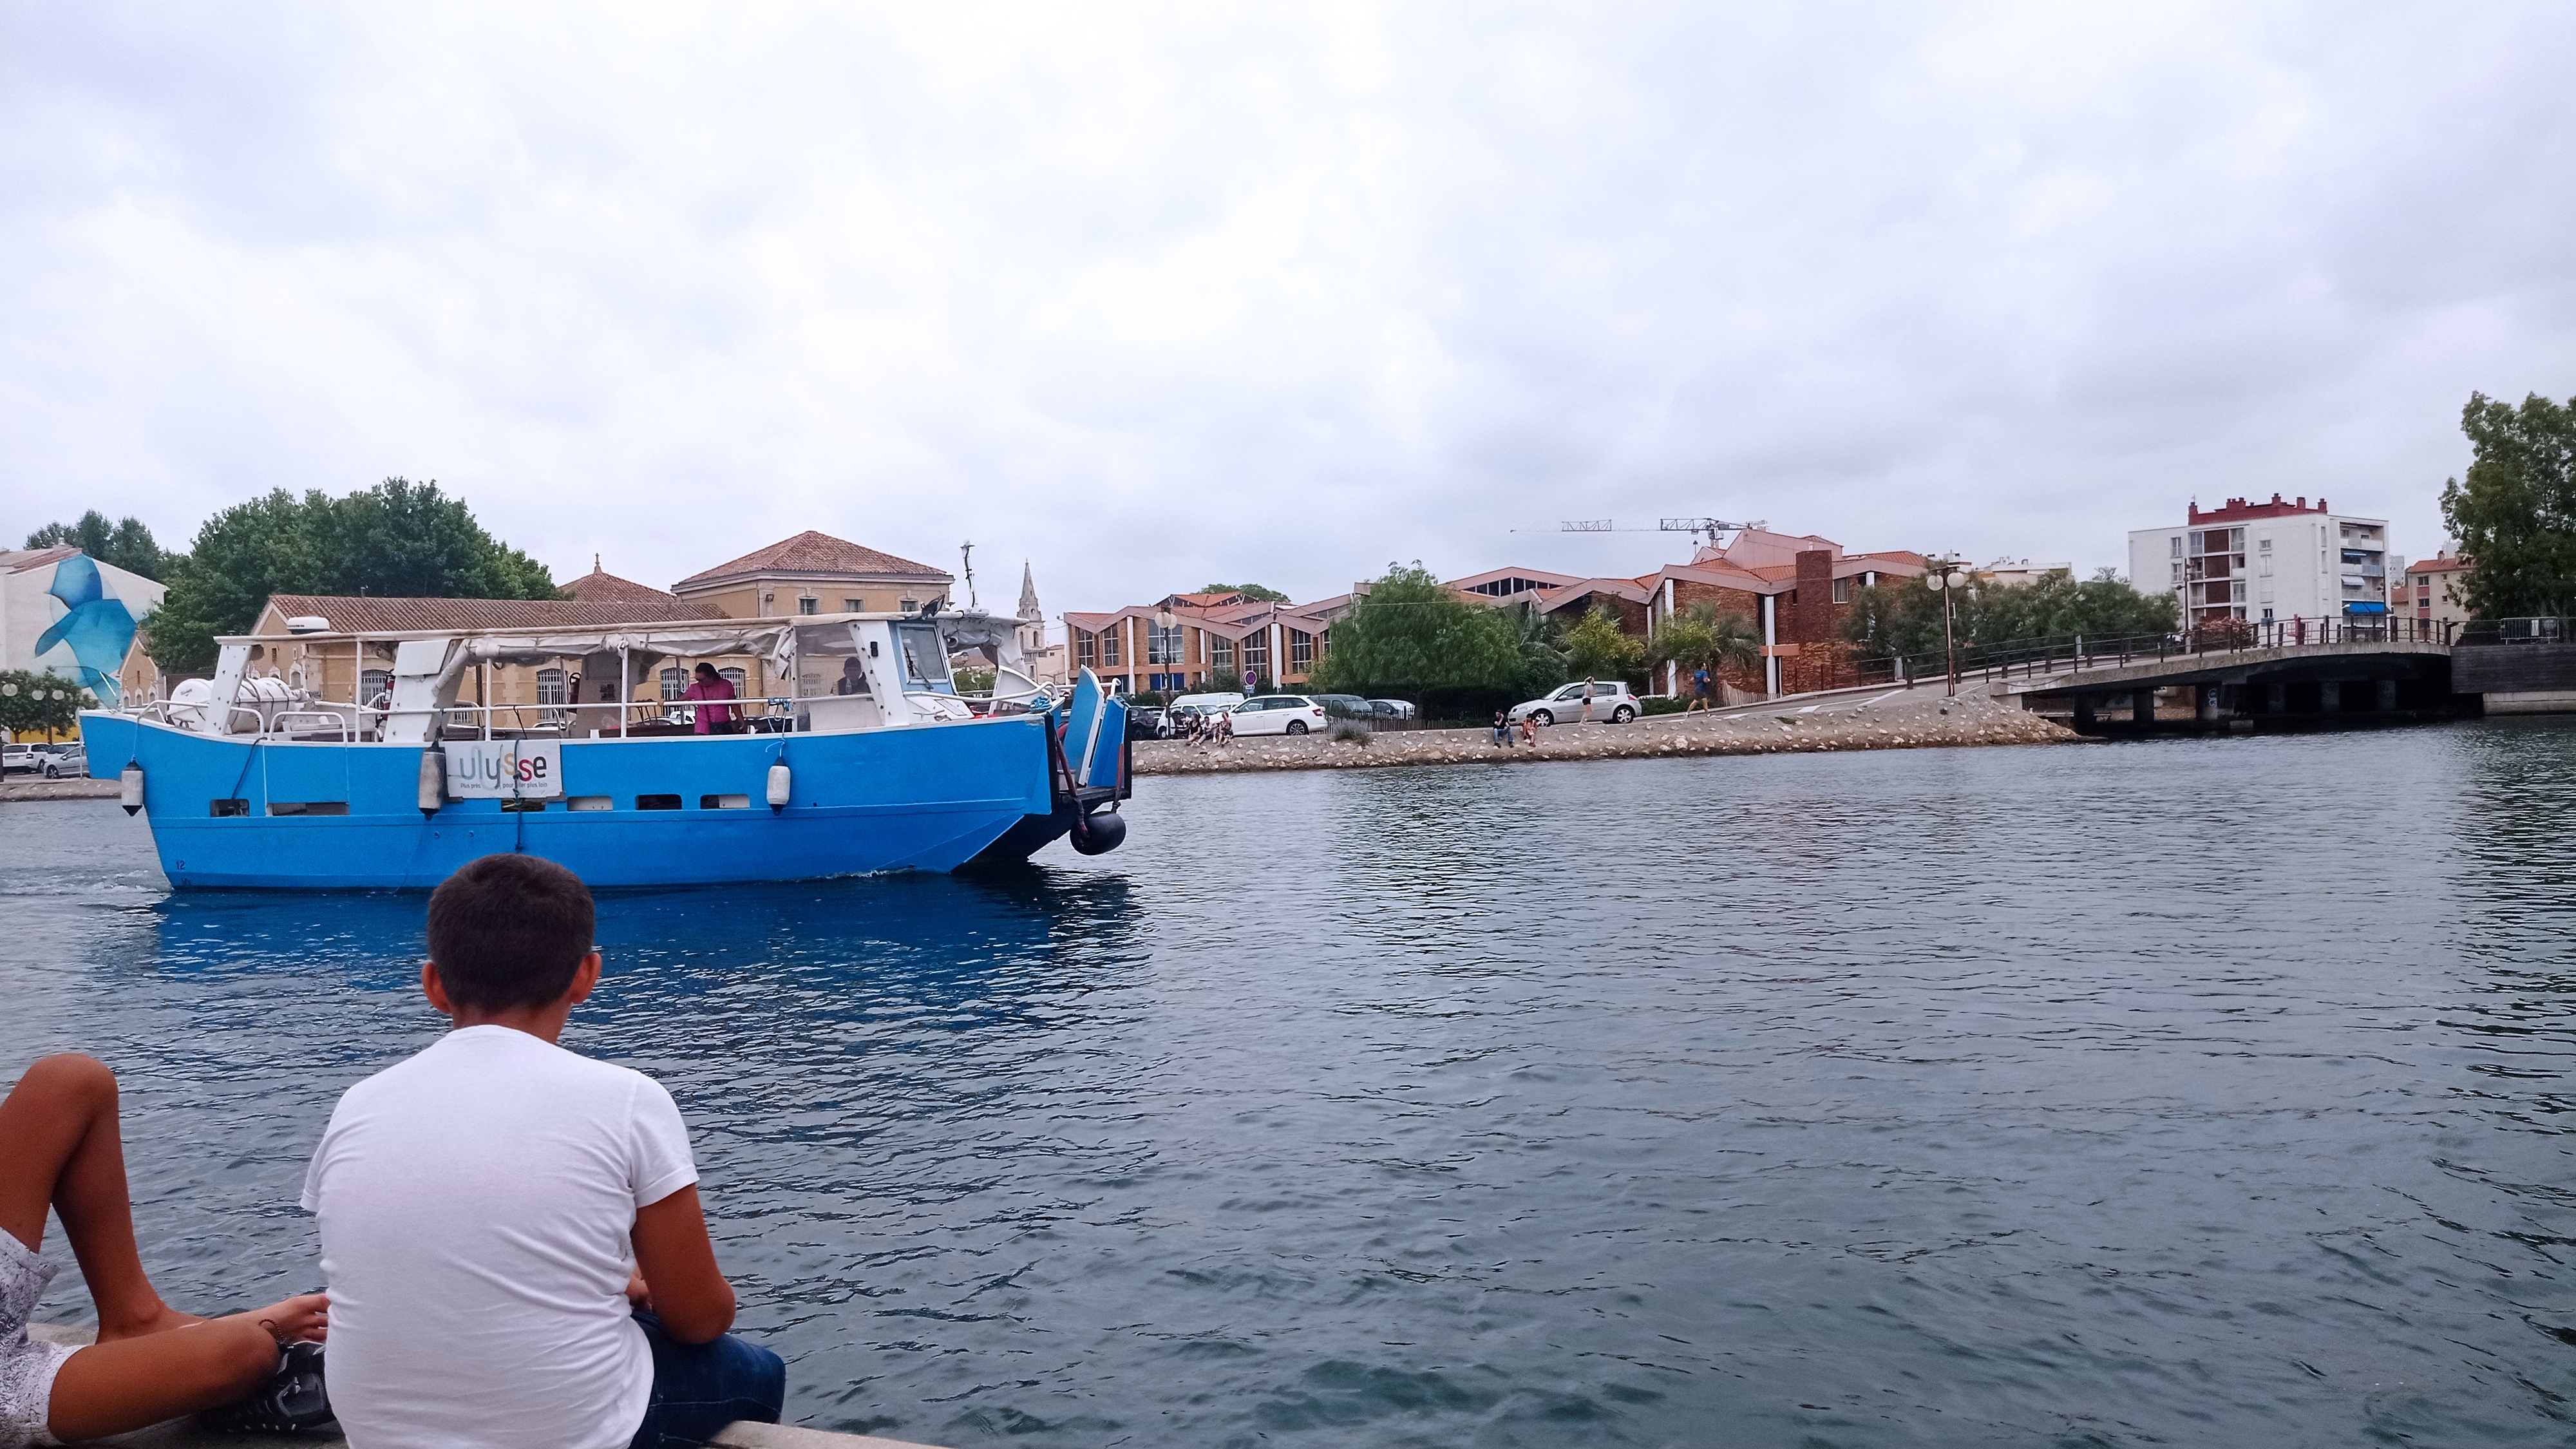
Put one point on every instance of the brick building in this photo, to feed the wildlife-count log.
(1793, 590)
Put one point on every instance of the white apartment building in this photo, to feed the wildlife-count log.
(2266, 561)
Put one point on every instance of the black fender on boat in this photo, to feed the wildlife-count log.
(1099, 832)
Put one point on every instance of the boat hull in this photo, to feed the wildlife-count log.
(931, 797)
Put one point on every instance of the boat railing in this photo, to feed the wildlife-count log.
(326, 722)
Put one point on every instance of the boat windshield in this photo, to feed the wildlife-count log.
(925, 656)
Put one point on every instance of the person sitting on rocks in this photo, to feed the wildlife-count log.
(150, 1362)
(1503, 728)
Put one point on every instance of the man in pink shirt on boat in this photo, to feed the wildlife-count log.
(713, 719)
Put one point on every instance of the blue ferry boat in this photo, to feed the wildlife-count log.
(871, 761)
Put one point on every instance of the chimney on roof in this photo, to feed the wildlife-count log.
(2321, 503)
(2303, 501)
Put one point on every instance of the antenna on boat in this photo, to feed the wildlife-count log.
(966, 553)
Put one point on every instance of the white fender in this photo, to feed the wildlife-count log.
(433, 781)
(778, 780)
(129, 782)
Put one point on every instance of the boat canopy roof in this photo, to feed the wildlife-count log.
(778, 641)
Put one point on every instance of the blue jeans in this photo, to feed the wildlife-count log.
(699, 1388)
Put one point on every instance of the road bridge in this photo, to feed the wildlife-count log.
(2339, 683)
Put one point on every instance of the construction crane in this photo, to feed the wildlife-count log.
(1701, 528)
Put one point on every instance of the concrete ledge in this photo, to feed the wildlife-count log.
(2536, 701)
(183, 1434)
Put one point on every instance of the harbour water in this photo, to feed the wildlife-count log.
(2206, 1092)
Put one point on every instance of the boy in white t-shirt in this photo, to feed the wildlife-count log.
(511, 1232)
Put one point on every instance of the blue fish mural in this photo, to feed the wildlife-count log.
(97, 626)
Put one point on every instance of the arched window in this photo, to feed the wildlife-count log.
(550, 687)
(674, 680)
(734, 677)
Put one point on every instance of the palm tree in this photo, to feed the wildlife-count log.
(1703, 638)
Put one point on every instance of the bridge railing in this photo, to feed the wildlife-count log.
(2029, 657)
(2541, 629)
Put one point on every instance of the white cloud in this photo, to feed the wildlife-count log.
(1159, 295)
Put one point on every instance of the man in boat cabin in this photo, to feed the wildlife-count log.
(510, 1230)
(713, 719)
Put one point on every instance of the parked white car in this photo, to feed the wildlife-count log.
(1207, 703)
(1277, 714)
(18, 759)
(1611, 701)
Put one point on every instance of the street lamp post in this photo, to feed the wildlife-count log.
(1944, 577)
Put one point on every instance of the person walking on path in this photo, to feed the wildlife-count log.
(1587, 701)
(713, 719)
(1701, 688)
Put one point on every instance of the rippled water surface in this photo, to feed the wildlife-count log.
(2204, 1093)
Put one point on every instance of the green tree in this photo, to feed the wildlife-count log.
(1254, 592)
(2515, 512)
(39, 704)
(1538, 644)
(124, 544)
(1598, 648)
(398, 539)
(1702, 638)
(1412, 637)
(1904, 617)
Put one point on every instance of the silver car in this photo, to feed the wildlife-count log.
(1611, 701)
(63, 760)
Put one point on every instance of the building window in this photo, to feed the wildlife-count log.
(1086, 647)
(736, 678)
(2177, 545)
(2263, 545)
(1301, 651)
(674, 680)
(854, 606)
(1162, 646)
(1842, 591)
(1110, 648)
(910, 606)
(1220, 651)
(809, 605)
(550, 687)
(1256, 650)
(374, 682)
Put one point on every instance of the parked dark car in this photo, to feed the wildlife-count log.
(1345, 706)
(1144, 721)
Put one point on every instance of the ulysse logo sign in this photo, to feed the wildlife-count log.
(504, 769)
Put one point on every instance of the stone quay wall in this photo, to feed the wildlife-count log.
(1918, 718)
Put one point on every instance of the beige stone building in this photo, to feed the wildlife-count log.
(813, 573)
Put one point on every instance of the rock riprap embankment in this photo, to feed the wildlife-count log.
(1916, 718)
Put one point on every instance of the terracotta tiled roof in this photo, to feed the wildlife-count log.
(601, 587)
(2442, 565)
(12, 560)
(397, 616)
(811, 553)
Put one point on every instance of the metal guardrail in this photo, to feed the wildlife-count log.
(2537, 629)
(2070, 655)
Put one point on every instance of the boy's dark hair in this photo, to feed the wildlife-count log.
(509, 931)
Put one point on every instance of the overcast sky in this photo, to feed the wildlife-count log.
(1156, 296)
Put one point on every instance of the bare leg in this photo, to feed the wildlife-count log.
(109, 1388)
(151, 1362)
(65, 1152)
